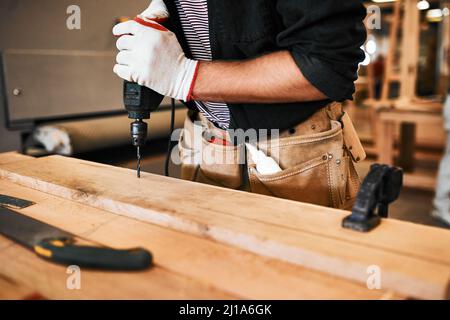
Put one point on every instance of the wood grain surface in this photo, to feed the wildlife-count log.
(414, 259)
(230, 269)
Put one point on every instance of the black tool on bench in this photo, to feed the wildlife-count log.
(380, 188)
(13, 202)
(60, 247)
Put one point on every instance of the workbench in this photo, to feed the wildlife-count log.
(392, 119)
(208, 242)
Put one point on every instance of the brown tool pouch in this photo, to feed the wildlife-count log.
(316, 158)
(207, 162)
(351, 138)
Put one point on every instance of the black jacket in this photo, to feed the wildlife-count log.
(324, 37)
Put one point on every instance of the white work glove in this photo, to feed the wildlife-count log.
(151, 56)
(156, 11)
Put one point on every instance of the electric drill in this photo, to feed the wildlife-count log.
(140, 102)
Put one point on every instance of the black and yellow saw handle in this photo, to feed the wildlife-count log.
(65, 251)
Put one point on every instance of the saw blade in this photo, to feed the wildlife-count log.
(27, 231)
(13, 202)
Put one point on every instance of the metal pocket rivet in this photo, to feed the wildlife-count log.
(338, 161)
(330, 156)
(17, 92)
(325, 157)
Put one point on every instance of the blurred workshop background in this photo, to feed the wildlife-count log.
(58, 94)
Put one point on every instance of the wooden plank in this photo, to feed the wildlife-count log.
(418, 105)
(432, 156)
(10, 157)
(393, 40)
(51, 280)
(423, 118)
(294, 215)
(12, 290)
(421, 180)
(256, 223)
(407, 146)
(231, 269)
(385, 142)
(410, 50)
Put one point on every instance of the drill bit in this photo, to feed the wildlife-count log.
(138, 162)
(139, 136)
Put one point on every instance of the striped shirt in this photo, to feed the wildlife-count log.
(195, 23)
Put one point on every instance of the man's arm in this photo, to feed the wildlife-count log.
(318, 58)
(271, 78)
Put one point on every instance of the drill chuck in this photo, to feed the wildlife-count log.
(139, 131)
